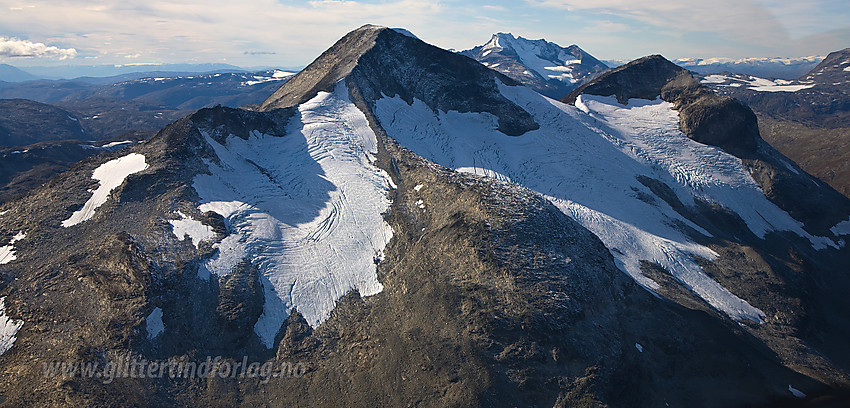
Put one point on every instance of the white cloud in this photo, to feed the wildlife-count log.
(13, 47)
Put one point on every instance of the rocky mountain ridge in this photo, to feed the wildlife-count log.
(415, 229)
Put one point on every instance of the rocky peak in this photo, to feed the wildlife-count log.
(378, 62)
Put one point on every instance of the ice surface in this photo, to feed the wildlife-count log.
(111, 175)
(8, 328)
(587, 163)
(196, 230)
(304, 208)
(7, 252)
(153, 323)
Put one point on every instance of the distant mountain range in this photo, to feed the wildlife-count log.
(107, 111)
(781, 68)
(9, 73)
(126, 72)
(541, 65)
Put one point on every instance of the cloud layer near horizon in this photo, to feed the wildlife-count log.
(294, 32)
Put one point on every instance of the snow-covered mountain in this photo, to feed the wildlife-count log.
(541, 65)
(417, 229)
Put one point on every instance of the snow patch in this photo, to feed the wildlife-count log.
(196, 230)
(8, 328)
(305, 209)
(795, 392)
(111, 175)
(153, 323)
(405, 32)
(842, 228)
(7, 252)
(114, 144)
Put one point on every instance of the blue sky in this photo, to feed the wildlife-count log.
(292, 33)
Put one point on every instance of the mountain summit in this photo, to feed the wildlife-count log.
(541, 65)
(410, 227)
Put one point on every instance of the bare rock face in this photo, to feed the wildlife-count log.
(710, 118)
(240, 303)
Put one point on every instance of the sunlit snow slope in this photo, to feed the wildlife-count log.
(586, 161)
(305, 208)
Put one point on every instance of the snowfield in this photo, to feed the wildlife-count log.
(7, 252)
(306, 209)
(585, 160)
(111, 175)
(8, 328)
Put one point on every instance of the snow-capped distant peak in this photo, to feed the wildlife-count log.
(541, 65)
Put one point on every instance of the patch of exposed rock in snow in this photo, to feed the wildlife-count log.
(111, 175)
(305, 208)
(8, 328)
(195, 229)
(7, 252)
(586, 163)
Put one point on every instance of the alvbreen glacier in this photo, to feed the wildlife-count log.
(586, 161)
